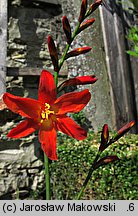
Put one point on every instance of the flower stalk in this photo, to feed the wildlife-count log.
(74, 34)
(47, 177)
(89, 175)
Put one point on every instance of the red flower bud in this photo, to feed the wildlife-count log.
(124, 130)
(53, 52)
(78, 51)
(86, 24)
(104, 137)
(80, 80)
(66, 28)
(106, 160)
(94, 6)
(83, 10)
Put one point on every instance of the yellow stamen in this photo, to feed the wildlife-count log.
(46, 112)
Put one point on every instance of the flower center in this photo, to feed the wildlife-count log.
(45, 113)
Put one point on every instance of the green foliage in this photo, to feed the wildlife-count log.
(135, 3)
(79, 117)
(114, 181)
(133, 37)
(133, 31)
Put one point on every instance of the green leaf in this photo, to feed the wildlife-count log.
(133, 53)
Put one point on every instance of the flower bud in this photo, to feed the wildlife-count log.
(83, 10)
(104, 137)
(66, 28)
(53, 52)
(124, 130)
(94, 6)
(85, 24)
(80, 80)
(106, 160)
(78, 51)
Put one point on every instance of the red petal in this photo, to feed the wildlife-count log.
(47, 88)
(26, 107)
(72, 102)
(23, 129)
(48, 143)
(71, 128)
(82, 80)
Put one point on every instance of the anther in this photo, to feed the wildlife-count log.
(46, 112)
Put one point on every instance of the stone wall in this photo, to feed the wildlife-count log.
(29, 23)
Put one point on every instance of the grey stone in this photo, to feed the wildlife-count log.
(21, 161)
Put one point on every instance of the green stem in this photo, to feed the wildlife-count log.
(47, 177)
(85, 183)
(92, 168)
(56, 78)
(68, 46)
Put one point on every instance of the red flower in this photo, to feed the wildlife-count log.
(48, 114)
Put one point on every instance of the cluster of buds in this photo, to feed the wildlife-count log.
(70, 36)
(83, 10)
(105, 142)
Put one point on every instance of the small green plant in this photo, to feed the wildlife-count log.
(133, 37)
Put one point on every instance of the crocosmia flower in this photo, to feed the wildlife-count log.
(48, 114)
